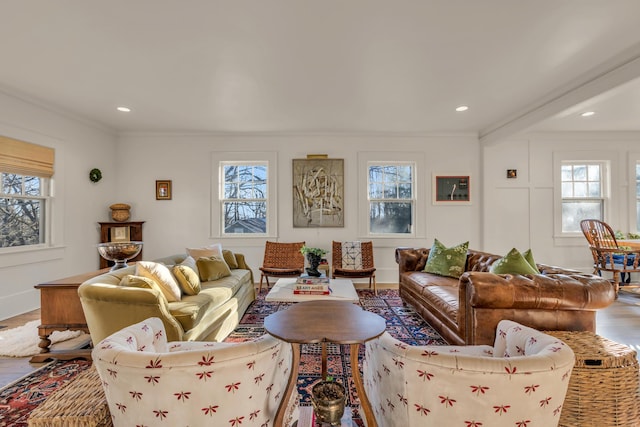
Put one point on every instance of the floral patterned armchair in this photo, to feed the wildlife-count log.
(519, 382)
(149, 381)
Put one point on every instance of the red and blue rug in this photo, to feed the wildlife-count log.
(402, 322)
(20, 398)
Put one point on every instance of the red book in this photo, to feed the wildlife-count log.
(299, 292)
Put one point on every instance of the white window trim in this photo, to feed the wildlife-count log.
(217, 159)
(54, 245)
(419, 185)
(609, 164)
(634, 158)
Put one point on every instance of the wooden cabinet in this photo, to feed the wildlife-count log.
(61, 310)
(114, 231)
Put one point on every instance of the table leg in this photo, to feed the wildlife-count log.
(293, 379)
(324, 361)
(357, 379)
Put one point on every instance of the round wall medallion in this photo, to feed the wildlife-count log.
(95, 175)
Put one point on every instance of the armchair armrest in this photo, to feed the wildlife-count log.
(109, 308)
(539, 291)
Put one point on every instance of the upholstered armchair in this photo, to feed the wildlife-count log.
(149, 381)
(519, 382)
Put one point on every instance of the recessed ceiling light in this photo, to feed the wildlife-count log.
(588, 113)
(462, 108)
(124, 109)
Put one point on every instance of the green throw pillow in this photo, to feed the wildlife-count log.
(447, 261)
(528, 255)
(512, 263)
(212, 268)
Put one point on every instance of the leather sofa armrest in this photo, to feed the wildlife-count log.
(411, 259)
(539, 291)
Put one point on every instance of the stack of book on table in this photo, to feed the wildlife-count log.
(311, 285)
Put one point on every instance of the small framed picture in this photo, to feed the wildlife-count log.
(120, 234)
(451, 189)
(163, 190)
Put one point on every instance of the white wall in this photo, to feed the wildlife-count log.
(504, 213)
(187, 160)
(520, 212)
(78, 205)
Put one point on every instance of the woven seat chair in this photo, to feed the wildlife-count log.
(366, 267)
(281, 260)
(607, 255)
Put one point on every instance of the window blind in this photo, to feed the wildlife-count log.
(24, 158)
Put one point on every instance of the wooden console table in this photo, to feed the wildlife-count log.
(60, 310)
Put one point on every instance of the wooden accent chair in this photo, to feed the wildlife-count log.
(281, 260)
(607, 255)
(366, 269)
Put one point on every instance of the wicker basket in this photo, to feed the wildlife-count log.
(120, 212)
(80, 403)
(604, 389)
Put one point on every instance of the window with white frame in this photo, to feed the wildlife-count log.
(244, 197)
(638, 196)
(583, 193)
(23, 208)
(391, 197)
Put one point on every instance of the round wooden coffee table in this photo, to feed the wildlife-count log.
(325, 322)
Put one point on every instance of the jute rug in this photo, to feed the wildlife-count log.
(19, 399)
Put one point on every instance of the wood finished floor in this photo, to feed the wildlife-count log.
(619, 322)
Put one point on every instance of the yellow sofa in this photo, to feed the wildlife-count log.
(208, 316)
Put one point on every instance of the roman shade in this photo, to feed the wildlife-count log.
(24, 158)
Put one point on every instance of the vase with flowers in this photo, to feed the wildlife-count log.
(314, 256)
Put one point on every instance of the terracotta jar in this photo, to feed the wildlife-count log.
(120, 212)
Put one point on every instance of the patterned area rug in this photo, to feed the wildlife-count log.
(402, 322)
(18, 399)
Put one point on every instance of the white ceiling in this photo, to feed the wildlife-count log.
(328, 66)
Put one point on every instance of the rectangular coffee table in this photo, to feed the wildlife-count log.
(341, 290)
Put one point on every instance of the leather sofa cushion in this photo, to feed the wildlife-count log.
(440, 291)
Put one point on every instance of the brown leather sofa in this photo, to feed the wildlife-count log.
(467, 310)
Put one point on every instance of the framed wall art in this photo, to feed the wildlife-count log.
(163, 190)
(120, 234)
(318, 192)
(451, 189)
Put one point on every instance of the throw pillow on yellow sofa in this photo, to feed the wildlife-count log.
(212, 268)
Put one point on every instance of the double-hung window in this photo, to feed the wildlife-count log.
(244, 197)
(638, 197)
(25, 179)
(391, 197)
(23, 205)
(583, 192)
